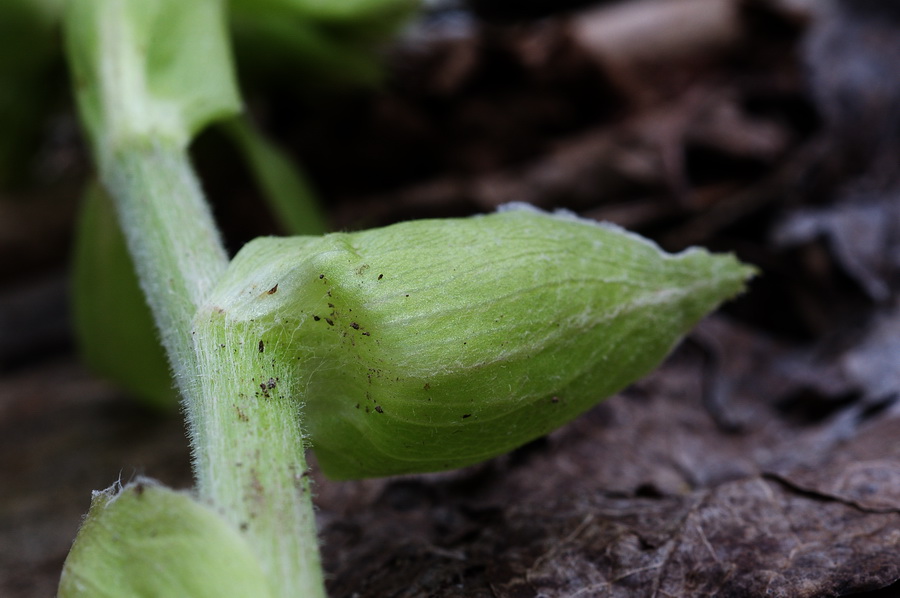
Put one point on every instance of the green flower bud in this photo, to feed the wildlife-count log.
(436, 344)
(147, 540)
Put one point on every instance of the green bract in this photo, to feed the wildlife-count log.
(147, 540)
(435, 344)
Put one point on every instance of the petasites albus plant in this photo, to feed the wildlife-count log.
(416, 347)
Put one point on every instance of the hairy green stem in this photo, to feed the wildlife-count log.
(149, 75)
(171, 236)
(244, 422)
(250, 458)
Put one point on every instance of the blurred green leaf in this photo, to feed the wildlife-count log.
(315, 43)
(160, 68)
(113, 325)
(354, 13)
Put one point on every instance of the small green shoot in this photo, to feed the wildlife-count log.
(416, 347)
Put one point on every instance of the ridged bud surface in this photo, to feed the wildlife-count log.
(435, 344)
